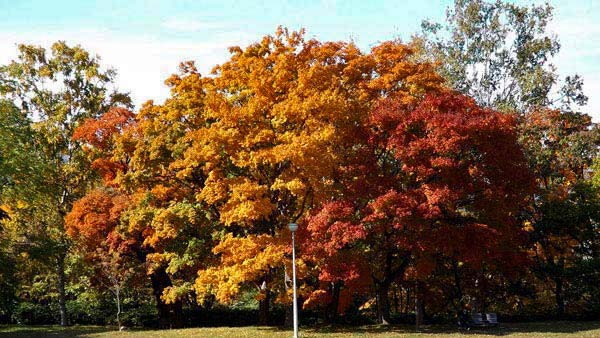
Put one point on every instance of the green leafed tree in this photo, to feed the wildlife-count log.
(501, 54)
(17, 162)
(55, 90)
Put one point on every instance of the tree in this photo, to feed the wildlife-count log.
(443, 178)
(278, 119)
(92, 223)
(57, 91)
(566, 253)
(561, 147)
(501, 55)
(19, 163)
(162, 227)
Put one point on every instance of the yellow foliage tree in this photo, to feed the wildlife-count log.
(267, 137)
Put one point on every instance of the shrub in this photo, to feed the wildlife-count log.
(27, 313)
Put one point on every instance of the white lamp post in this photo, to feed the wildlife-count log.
(293, 227)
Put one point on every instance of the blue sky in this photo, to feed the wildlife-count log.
(145, 40)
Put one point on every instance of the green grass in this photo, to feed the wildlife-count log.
(543, 329)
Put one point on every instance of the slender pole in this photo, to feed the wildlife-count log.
(294, 283)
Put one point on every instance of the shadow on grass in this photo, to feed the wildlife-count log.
(16, 331)
(501, 330)
(546, 327)
(535, 329)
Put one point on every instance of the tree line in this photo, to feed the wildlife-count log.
(451, 172)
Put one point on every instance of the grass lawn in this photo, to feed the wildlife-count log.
(544, 329)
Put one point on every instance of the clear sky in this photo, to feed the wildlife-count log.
(146, 40)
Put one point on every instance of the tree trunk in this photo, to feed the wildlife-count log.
(560, 301)
(289, 315)
(396, 300)
(460, 310)
(383, 303)
(264, 306)
(418, 307)
(62, 296)
(331, 310)
(408, 300)
(457, 282)
(118, 298)
(401, 304)
(169, 315)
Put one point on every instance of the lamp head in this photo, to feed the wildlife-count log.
(293, 227)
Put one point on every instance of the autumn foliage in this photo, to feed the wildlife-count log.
(438, 181)
(392, 177)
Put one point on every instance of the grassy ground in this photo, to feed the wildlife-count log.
(554, 329)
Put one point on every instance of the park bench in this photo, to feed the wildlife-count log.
(492, 319)
(477, 320)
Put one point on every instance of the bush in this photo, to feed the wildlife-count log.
(88, 313)
(26, 313)
(142, 315)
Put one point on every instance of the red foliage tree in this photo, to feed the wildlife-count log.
(442, 180)
(92, 224)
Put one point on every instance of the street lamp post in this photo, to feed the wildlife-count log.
(293, 227)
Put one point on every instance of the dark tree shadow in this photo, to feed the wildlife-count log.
(543, 327)
(51, 331)
(501, 330)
